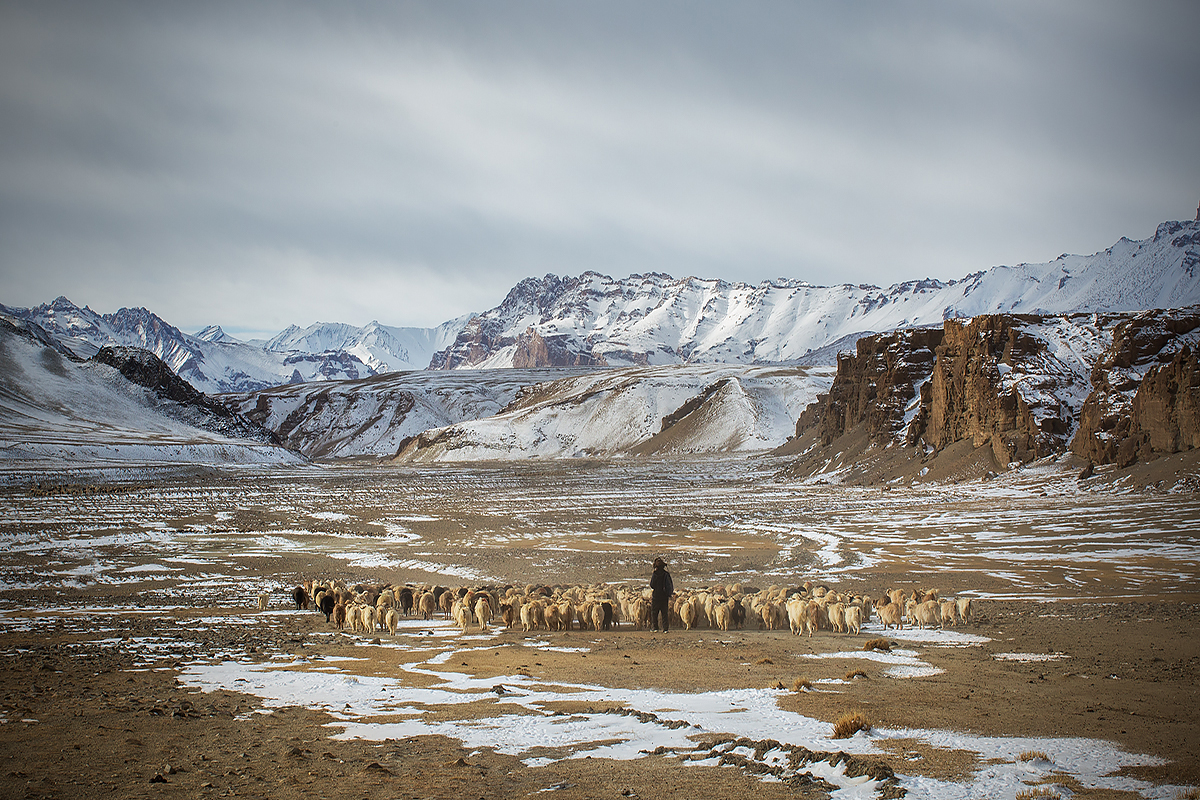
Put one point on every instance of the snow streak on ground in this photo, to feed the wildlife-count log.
(724, 517)
(524, 724)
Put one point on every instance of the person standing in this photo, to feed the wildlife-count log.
(661, 589)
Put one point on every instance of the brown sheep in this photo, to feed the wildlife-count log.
(567, 610)
(947, 612)
(427, 605)
(724, 615)
(964, 609)
(773, 616)
(926, 613)
(533, 616)
(812, 617)
(689, 613)
(836, 612)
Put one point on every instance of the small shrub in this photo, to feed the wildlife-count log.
(802, 685)
(850, 724)
(1038, 793)
(878, 644)
(1030, 755)
(856, 673)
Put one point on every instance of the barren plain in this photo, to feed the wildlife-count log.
(136, 663)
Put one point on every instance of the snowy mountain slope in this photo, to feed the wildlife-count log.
(638, 411)
(655, 319)
(216, 362)
(383, 348)
(55, 412)
(375, 416)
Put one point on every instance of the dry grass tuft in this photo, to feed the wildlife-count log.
(1038, 793)
(1030, 755)
(850, 724)
(855, 673)
(778, 685)
(764, 661)
(878, 644)
(1188, 794)
(802, 685)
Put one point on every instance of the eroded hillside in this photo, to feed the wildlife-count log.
(1005, 389)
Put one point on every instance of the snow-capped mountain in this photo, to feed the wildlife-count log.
(656, 319)
(215, 362)
(383, 348)
(58, 412)
(212, 365)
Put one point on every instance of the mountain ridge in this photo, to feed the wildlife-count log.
(648, 319)
(653, 319)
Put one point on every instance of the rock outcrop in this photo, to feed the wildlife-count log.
(1112, 388)
(534, 350)
(1145, 391)
(182, 400)
(874, 387)
(969, 395)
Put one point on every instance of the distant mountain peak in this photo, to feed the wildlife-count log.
(654, 318)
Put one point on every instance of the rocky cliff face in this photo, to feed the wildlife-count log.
(990, 385)
(1146, 389)
(534, 350)
(1112, 388)
(874, 387)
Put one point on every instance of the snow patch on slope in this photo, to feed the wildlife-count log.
(55, 412)
(622, 411)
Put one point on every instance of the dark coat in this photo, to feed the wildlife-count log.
(661, 584)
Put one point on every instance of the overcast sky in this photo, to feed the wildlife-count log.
(254, 165)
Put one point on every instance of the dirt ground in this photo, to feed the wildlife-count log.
(94, 705)
(86, 720)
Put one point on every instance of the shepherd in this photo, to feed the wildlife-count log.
(661, 588)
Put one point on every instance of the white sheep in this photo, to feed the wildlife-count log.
(853, 619)
(483, 611)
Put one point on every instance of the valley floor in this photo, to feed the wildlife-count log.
(133, 663)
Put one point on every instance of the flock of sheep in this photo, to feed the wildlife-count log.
(804, 609)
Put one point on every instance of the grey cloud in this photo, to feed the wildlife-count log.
(264, 164)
